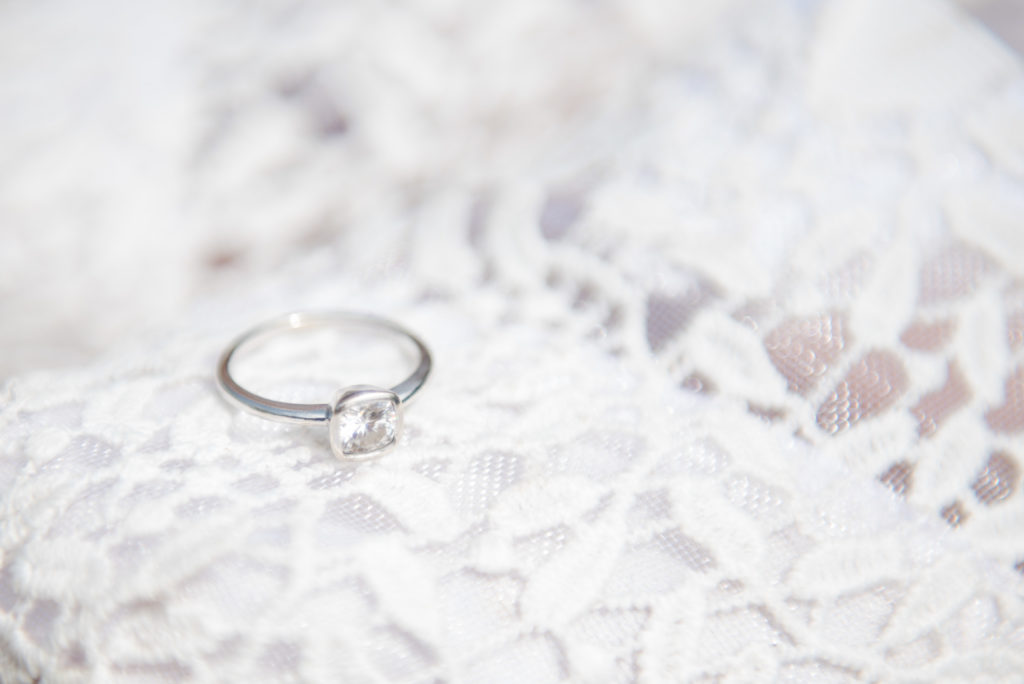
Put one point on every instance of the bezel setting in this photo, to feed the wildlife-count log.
(366, 421)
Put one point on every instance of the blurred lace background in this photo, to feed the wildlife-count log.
(150, 155)
(726, 300)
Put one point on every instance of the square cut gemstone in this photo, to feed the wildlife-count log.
(365, 420)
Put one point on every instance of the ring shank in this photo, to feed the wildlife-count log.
(286, 412)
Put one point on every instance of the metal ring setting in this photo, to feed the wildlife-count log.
(363, 421)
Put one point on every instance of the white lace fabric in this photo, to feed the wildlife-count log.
(728, 387)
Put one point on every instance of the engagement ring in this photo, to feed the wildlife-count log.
(363, 420)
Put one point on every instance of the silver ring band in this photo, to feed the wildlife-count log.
(364, 420)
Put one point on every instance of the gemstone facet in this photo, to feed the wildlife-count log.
(365, 421)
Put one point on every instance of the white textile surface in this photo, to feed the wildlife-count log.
(727, 308)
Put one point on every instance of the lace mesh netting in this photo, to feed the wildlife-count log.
(729, 382)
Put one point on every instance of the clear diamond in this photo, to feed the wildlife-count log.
(365, 421)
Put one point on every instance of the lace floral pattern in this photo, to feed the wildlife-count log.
(738, 397)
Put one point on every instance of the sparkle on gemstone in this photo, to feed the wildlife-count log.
(365, 424)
